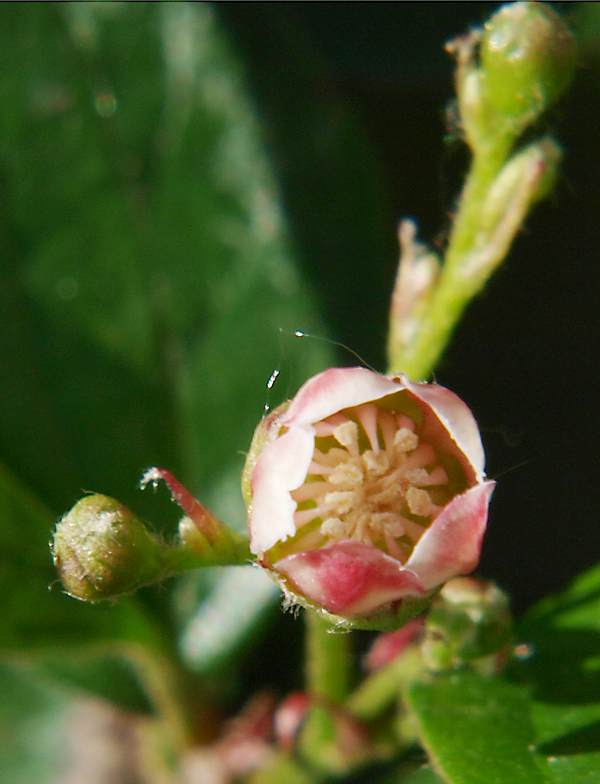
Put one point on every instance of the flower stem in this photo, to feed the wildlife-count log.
(328, 675)
(166, 685)
(328, 660)
(382, 688)
(453, 291)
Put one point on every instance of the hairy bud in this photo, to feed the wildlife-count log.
(101, 550)
(527, 59)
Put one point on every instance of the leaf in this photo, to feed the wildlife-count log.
(476, 729)
(559, 655)
(331, 179)
(227, 618)
(33, 728)
(147, 274)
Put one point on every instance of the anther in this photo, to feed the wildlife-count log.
(347, 435)
(419, 502)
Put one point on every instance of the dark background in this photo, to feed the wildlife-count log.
(525, 356)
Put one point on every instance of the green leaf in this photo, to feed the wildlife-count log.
(148, 269)
(423, 775)
(559, 655)
(229, 612)
(33, 727)
(476, 729)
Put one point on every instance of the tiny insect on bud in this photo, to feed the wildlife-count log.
(101, 550)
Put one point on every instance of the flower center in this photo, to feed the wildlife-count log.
(372, 479)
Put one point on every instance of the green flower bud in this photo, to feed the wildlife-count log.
(527, 59)
(469, 623)
(101, 550)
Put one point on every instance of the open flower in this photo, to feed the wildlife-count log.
(366, 493)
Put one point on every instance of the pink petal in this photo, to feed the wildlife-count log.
(336, 389)
(282, 467)
(456, 418)
(349, 577)
(452, 544)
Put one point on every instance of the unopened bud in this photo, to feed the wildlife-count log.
(101, 550)
(524, 180)
(469, 623)
(527, 60)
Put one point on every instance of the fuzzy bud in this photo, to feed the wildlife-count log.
(469, 623)
(527, 60)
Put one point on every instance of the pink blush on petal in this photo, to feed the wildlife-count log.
(349, 577)
(451, 546)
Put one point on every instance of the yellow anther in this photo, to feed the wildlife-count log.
(341, 502)
(346, 473)
(334, 528)
(346, 434)
(405, 440)
(419, 501)
(376, 464)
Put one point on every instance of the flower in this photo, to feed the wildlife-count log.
(366, 493)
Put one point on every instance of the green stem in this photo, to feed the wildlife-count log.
(328, 671)
(167, 686)
(186, 556)
(380, 690)
(328, 660)
(452, 292)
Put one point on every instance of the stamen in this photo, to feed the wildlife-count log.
(334, 528)
(342, 501)
(413, 530)
(317, 468)
(419, 502)
(417, 476)
(387, 424)
(367, 495)
(438, 476)
(405, 440)
(310, 491)
(387, 521)
(346, 473)
(421, 478)
(325, 427)
(367, 416)
(393, 547)
(422, 456)
(347, 435)
(376, 464)
(404, 421)
(327, 458)
(306, 515)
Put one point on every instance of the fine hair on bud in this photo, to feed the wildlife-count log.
(102, 550)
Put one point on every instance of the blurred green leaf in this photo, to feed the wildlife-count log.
(33, 729)
(423, 775)
(331, 179)
(559, 656)
(476, 729)
(147, 276)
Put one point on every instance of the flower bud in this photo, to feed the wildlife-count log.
(366, 493)
(527, 59)
(101, 550)
(469, 623)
